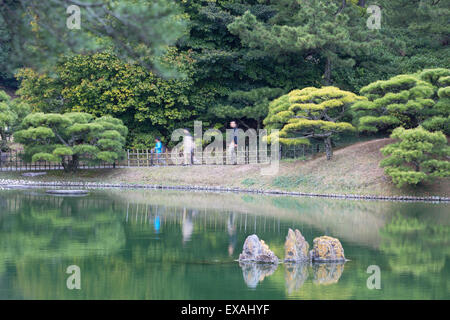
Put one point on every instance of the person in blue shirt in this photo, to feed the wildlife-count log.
(158, 146)
(158, 149)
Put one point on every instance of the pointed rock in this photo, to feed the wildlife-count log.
(257, 250)
(295, 248)
(327, 249)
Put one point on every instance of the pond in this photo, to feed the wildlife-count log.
(155, 244)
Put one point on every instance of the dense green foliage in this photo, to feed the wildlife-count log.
(439, 116)
(407, 101)
(12, 111)
(71, 137)
(35, 33)
(419, 155)
(161, 65)
(320, 31)
(101, 84)
(311, 113)
(399, 101)
(235, 57)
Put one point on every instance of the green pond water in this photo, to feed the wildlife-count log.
(142, 244)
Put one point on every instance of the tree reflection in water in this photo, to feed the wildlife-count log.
(175, 245)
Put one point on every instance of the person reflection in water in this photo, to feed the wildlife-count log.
(232, 233)
(157, 220)
(188, 226)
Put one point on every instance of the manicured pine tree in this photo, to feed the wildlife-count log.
(419, 155)
(71, 137)
(438, 119)
(400, 101)
(311, 113)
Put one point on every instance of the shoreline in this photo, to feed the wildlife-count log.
(18, 184)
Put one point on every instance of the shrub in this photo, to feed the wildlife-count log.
(419, 155)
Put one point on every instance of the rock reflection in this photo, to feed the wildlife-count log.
(295, 275)
(254, 272)
(327, 273)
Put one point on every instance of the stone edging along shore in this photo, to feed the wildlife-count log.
(97, 185)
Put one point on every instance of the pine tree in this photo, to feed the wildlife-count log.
(419, 155)
(333, 32)
(311, 113)
(71, 137)
(406, 100)
(438, 119)
(400, 101)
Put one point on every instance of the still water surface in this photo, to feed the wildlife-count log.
(141, 244)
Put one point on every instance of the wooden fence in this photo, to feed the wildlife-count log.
(146, 158)
(13, 160)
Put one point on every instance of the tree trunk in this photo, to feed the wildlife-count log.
(362, 3)
(3, 135)
(74, 163)
(71, 165)
(327, 73)
(328, 148)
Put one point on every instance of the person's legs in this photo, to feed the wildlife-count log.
(232, 153)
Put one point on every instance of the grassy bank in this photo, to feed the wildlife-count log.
(353, 170)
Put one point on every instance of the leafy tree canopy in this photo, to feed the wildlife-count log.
(102, 84)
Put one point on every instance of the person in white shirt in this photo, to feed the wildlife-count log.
(188, 148)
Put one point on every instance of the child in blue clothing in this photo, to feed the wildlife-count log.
(158, 146)
(159, 149)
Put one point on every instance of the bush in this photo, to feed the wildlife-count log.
(419, 155)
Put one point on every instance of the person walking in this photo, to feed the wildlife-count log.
(188, 148)
(158, 150)
(234, 143)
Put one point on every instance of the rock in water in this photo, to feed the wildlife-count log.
(256, 250)
(327, 249)
(295, 248)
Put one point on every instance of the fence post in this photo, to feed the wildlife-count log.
(137, 157)
(128, 157)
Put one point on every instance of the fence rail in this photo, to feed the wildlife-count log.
(14, 160)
